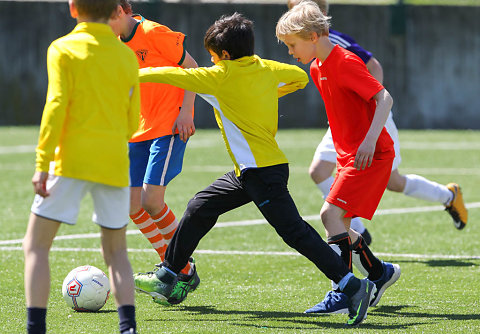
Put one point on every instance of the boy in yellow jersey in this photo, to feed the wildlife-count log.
(91, 111)
(244, 91)
(166, 122)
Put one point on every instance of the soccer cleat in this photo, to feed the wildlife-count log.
(158, 283)
(457, 208)
(391, 273)
(357, 310)
(185, 284)
(335, 302)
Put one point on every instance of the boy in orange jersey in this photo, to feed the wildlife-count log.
(92, 77)
(158, 146)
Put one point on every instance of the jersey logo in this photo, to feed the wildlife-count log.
(142, 54)
(323, 78)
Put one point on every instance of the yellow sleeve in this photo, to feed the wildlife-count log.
(55, 109)
(291, 77)
(134, 108)
(203, 80)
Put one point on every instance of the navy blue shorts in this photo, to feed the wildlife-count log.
(156, 161)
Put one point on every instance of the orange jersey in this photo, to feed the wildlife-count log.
(155, 46)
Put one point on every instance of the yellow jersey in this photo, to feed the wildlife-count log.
(244, 93)
(92, 106)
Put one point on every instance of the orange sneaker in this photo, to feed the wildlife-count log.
(457, 208)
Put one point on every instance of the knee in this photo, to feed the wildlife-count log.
(320, 170)
(396, 183)
(153, 206)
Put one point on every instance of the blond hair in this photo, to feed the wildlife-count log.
(323, 4)
(302, 20)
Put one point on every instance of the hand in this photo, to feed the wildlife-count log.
(364, 156)
(39, 181)
(184, 124)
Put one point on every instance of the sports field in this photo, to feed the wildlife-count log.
(251, 282)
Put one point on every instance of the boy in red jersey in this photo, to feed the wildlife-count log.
(157, 148)
(92, 77)
(357, 107)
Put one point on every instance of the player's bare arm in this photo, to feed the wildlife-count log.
(184, 122)
(364, 156)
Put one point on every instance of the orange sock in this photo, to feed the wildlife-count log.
(147, 226)
(167, 223)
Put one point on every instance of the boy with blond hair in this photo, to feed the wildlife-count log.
(91, 110)
(157, 148)
(244, 90)
(357, 107)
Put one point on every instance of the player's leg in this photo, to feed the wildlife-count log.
(164, 164)
(268, 189)
(139, 153)
(417, 186)
(112, 214)
(202, 212)
(321, 169)
(36, 247)
(47, 212)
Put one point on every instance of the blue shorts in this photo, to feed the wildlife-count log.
(156, 161)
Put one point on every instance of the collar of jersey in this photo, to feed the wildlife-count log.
(134, 28)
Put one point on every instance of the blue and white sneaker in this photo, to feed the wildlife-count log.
(333, 303)
(391, 273)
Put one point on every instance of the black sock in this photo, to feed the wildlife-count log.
(343, 242)
(126, 314)
(369, 261)
(352, 286)
(36, 320)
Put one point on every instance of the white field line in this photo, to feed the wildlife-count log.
(272, 253)
(255, 222)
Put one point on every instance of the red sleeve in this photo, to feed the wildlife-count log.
(355, 76)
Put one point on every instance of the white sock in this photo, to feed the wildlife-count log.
(357, 225)
(325, 186)
(419, 187)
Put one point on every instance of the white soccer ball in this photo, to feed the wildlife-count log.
(86, 288)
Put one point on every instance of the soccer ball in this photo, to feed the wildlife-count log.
(86, 288)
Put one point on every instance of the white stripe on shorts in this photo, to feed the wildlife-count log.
(167, 160)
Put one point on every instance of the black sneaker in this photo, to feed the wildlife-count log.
(185, 284)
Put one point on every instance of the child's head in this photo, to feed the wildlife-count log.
(303, 29)
(93, 10)
(323, 4)
(120, 23)
(230, 35)
(126, 6)
(302, 20)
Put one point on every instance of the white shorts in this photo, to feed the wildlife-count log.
(326, 151)
(111, 204)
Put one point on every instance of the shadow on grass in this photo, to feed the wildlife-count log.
(397, 311)
(443, 263)
(300, 321)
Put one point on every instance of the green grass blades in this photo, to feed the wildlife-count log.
(251, 281)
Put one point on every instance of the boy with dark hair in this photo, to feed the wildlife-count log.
(157, 148)
(357, 107)
(244, 91)
(92, 78)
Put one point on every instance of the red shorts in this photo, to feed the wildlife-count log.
(359, 191)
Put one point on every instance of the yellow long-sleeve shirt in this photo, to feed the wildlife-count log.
(244, 93)
(92, 106)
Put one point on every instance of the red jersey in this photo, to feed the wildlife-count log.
(347, 89)
(156, 45)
